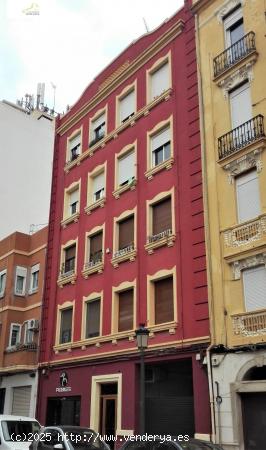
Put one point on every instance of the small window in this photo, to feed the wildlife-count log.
(98, 128)
(20, 280)
(248, 196)
(15, 331)
(160, 80)
(234, 27)
(74, 146)
(161, 146)
(254, 281)
(127, 106)
(28, 333)
(70, 257)
(93, 308)
(126, 233)
(73, 198)
(96, 248)
(34, 279)
(125, 310)
(163, 300)
(126, 168)
(98, 184)
(2, 282)
(162, 217)
(66, 326)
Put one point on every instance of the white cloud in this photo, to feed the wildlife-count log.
(69, 43)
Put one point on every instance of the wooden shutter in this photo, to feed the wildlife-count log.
(21, 401)
(126, 232)
(96, 244)
(66, 325)
(127, 106)
(254, 281)
(240, 101)
(161, 216)
(125, 310)
(248, 196)
(93, 319)
(160, 80)
(70, 252)
(163, 297)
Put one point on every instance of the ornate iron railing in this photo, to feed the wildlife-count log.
(67, 268)
(235, 53)
(124, 251)
(241, 136)
(95, 259)
(157, 237)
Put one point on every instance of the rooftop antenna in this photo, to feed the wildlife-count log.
(54, 88)
(40, 95)
(145, 23)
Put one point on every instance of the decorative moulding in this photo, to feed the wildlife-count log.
(246, 263)
(237, 77)
(229, 6)
(246, 162)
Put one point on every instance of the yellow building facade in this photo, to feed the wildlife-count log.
(231, 55)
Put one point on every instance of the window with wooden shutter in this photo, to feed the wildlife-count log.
(162, 216)
(73, 201)
(93, 318)
(163, 300)
(125, 310)
(126, 233)
(98, 187)
(96, 246)
(70, 255)
(127, 106)
(248, 196)
(254, 281)
(74, 147)
(66, 326)
(160, 80)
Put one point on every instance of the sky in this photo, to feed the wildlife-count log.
(68, 43)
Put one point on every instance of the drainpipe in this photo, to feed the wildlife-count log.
(206, 227)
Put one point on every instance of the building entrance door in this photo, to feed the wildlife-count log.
(254, 420)
(108, 411)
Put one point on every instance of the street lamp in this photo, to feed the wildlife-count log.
(142, 335)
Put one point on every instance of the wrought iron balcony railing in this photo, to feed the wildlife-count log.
(95, 259)
(235, 53)
(124, 251)
(157, 237)
(241, 136)
(67, 268)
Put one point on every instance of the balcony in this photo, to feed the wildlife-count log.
(245, 236)
(94, 265)
(240, 137)
(249, 324)
(166, 237)
(67, 273)
(232, 55)
(124, 254)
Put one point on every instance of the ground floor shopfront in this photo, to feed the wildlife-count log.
(18, 393)
(239, 383)
(104, 395)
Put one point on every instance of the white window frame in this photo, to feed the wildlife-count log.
(21, 271)
(76, 190)
(234, 93)
(26, 331)
(152, 137)
(121, 157)
(73, 137)
(93, 127)
(12, 325)
(3, 273)
(34, 269)
(229, 21)
(130, 92)
(102, 190)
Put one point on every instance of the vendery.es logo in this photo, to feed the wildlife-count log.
(32, 10)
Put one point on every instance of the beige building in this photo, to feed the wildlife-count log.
(231, 56)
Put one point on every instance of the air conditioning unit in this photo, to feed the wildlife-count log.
(33, 324)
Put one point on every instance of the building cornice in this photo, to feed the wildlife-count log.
(17, 368)
(17, 308)
(22, 252)
(200, 4)
(145, 56)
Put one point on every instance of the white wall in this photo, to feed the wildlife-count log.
(26, 153)
(23, 379)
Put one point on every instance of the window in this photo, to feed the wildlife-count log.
(125, 310)
(163, 300)
(34, 279)
(241, 107)
(254, 281)
(74, 145)
(98, 128)
(66, 326)
(73, 198)
(126, 168)
(98, 184)
(96, 248)
(162, 217)
(160, 146)
(15, 331)
(93, 311)
(248, 196)
(70, 257)
(20, 280)
(160, 80)
(2, 282)
(28, 333)
(127, 106)
(233, 27)
(126, 233)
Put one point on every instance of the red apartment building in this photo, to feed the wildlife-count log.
(126, 246)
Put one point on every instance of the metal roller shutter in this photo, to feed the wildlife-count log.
(21, 401)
